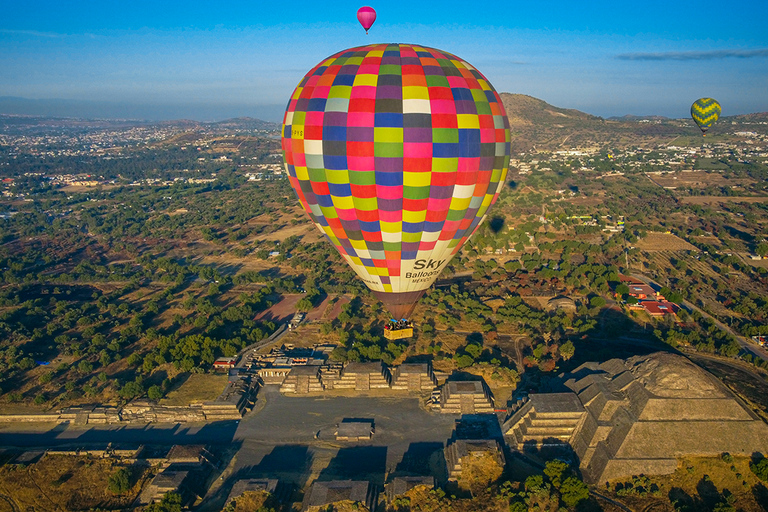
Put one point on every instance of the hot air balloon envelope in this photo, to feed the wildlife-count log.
(366, 16)
(705, 111)
(396, 152)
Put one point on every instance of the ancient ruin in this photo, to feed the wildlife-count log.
(465, 397)
(303, 380)
(639, 416)
(414, 377)
(364, 377)
(326, 493)
(460, 453)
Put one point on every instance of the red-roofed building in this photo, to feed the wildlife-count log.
(643, 292)
(655, 308)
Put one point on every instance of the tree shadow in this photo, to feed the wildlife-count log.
(760, 492)
(708, 493)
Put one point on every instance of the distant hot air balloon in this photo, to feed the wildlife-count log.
(396, 152)
(366, 16)
(705, 111)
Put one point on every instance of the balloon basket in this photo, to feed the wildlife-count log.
(398, 334)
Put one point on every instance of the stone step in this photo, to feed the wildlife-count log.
(544, 431)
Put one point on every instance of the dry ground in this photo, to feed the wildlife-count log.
(699, 479)
(57, 483)
(663, 242)
(283, 310)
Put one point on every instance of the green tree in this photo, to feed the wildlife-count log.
(597, 302)
(155, 392)
(171, 502)
(85, 367)
(760, 469)
(555, 470)
(573, 491)
(120, 481)
(567, 350)
(304, 305)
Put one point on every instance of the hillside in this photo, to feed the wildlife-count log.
(535, 124)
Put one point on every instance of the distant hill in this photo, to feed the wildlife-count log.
(535, 124)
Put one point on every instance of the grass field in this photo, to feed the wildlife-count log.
(198, 387)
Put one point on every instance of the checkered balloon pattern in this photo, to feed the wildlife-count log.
(396, 152)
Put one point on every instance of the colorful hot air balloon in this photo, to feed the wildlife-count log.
(396, 152)
(366, 16)
(705, 111)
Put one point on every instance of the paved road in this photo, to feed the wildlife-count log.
(746, 343)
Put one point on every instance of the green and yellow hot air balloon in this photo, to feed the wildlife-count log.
(705, 111)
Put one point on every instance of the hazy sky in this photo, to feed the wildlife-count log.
(220, 58)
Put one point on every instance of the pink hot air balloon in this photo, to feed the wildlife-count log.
(366, 16)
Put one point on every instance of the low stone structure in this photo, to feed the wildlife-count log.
(465, 397)
(252, 485)
(189, 455)
(232, 404)
(545, 419)
(143, 411)
(273, 374)
(414, 377)
(458, 452)
(364, 377)
(169, 480)
(355, 430)
(402, 484)
(561, 302)
(326, 493)
(642, 414)
(302, 380)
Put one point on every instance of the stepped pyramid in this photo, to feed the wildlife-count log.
(546, 419)
(363, 377)
(465, 397)
(414, 377)
(302, 380)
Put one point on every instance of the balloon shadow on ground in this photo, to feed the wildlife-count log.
(496, 223)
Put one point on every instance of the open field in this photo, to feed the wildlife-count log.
(697, 179)
(198, 387)
(283, 310)
(663, 242)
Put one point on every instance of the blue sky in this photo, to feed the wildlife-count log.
(215, 59)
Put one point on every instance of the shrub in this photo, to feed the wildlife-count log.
(120, 481)
(760, 469)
